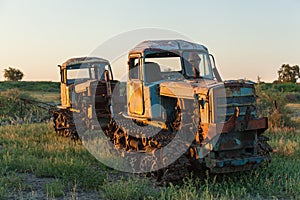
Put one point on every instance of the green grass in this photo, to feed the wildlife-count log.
(45, 91)
(36, 149)
(48, 97)
(55, 188)
(284, 95)
(130, 189)
(66, 168)
(280, 179)
(18, 106)
(281, 87)
(43, 86)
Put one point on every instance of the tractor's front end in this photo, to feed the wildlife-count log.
(239, 144)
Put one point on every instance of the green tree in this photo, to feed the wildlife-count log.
(13, 74)
(288, 73)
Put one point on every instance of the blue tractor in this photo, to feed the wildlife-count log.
(174, 88)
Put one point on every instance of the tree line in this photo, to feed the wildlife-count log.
(286, 74)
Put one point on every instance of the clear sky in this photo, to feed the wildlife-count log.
(248, 38)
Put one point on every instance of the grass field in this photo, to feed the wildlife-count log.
(42, 86)
(35, 151)
(37, 164)
(47, 97)
(295, 114)
(26, 102)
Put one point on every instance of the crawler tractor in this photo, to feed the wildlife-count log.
(78, 76)
(174, 88)
(176, 108)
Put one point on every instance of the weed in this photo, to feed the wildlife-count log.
(272, 102)
(129, 189)
(55, 189)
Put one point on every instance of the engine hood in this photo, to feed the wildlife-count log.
(187, 88)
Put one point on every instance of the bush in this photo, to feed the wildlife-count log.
(286, 87)
(272, 101)
(14, 110)
(293, 97)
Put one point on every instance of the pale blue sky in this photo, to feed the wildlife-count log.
(247, 38)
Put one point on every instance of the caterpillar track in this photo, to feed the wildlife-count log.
(123, 140)
(132, 136)
(64, 123)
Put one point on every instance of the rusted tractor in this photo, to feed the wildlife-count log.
(174, 88)
(78, 76)
(174, 99)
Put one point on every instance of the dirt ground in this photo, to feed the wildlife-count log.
(35, 188)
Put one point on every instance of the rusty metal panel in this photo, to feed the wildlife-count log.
(135, 97)
(257, 124)
(81, 60)
(166, 45)
(204, 109)
(238, 95)
(147, 102)
(82, 87)
(236, 125)
(63, 94)
(176, 90)
(233, 165)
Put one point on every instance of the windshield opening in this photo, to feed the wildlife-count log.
(161, 66)
(170, 65)
(167, 64)
(197, 65)
(86, 71)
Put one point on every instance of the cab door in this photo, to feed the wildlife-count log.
(135, 95)
(65, 102)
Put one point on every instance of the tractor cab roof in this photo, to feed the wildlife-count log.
(166, 45)
(82, 60)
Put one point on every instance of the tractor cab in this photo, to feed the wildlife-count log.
(80, 70)
(152, 64)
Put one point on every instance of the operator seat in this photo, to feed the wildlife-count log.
(152, 72)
